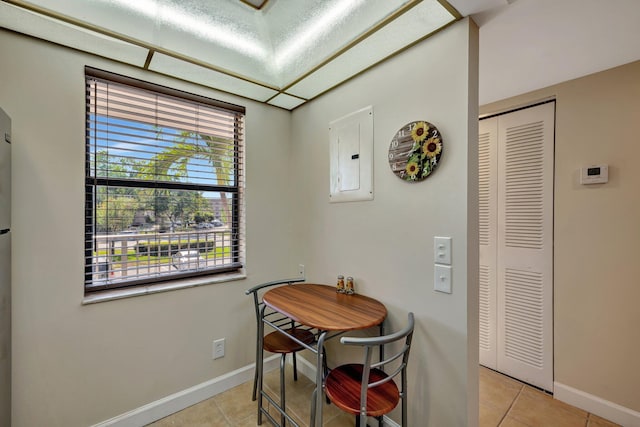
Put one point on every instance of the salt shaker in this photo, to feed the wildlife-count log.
(340, 285)
(349, 287)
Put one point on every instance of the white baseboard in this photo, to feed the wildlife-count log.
(603, 408)
(389, 422)
(183, 399)
(305, 367)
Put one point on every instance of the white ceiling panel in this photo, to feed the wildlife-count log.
(191, 72)
(286, 101)
(36, 25)
(127, 18)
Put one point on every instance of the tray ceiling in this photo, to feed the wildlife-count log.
(282, 52)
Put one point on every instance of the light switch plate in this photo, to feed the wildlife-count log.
(442, 278)
(442, 250)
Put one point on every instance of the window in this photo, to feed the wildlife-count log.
(164, 183)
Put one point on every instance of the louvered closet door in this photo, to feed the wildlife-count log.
(488, 205)
(525, 244)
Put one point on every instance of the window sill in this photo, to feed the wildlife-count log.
(116, 294)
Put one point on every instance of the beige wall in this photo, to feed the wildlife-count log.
(76, 365)
(387, 244)
(596, 233)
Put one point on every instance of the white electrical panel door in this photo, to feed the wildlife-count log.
(351, 157)
(348, 140)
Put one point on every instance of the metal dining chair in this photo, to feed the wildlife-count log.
(276, 342)
(364, 389)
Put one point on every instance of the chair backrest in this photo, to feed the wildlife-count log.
(402, 337)
(258, 290)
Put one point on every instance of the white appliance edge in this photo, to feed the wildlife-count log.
(5, 269)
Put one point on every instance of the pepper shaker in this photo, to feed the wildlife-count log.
(349, 287)
(340, 285)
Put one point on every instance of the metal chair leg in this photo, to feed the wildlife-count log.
(325, 371)
(255, 374)
(260, 362)
(255, 383)
(364, 423)
(282, 401)
(295, 367)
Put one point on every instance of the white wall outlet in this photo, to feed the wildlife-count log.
(218, 348)
(301, 270)
(442, 278)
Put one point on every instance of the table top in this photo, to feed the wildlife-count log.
(321, 307)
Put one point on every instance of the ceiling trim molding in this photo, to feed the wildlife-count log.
(262, 3)
(149, 58)
(452, 10)
(282, 92)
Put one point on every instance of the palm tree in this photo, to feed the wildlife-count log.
(172, 163)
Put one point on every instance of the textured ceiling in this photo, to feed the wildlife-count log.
(285, 53)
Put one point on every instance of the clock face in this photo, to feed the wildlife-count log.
(415, 151)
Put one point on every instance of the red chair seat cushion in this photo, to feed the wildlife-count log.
(343, 388)
(276, 342)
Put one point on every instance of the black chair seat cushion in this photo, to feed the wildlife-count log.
(343, 388)
(276, 342)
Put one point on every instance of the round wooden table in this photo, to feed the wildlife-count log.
(321, 307)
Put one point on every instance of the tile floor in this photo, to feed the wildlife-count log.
(504, 402)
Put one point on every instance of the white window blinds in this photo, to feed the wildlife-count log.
(164, 183)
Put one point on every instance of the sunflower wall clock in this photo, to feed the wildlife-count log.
(415, 151)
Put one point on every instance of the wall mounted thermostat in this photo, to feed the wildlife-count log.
(596, 174)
